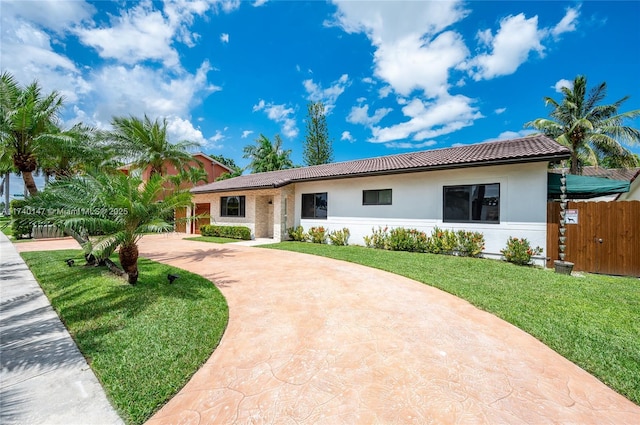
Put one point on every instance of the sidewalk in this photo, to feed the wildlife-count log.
(43, 377)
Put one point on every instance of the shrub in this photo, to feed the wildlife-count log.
(412, 240)
(470, 244)
(379, 239)
(442, 241)
(20, 226)
(297, 234)
(340, 237)
(519, 251)
(233, 232)
(318, 235)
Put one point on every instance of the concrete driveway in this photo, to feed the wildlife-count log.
(313, 340)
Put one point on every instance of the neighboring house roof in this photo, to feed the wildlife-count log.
(203, 155)
(527, 149)
(627, 174)
(207, 157)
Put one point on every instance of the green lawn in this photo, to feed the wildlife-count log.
(212, 239)
(5, 225)
(143, 342)
(593, 320)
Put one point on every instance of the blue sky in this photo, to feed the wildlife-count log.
(395, 76)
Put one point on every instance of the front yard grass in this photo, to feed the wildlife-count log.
(212, 239)
(143, 342)
(593, 320)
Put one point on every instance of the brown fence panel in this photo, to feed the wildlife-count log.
(606, 238)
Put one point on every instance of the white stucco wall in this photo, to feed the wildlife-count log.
(417, 202)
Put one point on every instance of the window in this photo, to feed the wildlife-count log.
(232, 206)
(314, 205)
(376, 197)
(478, 202)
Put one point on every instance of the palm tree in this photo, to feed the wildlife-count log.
(266, 156)
(590, 130)
(146, 142)
(28, 126)
(118, 207)
(78, 151)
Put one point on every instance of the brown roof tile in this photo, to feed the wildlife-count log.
(527, 149)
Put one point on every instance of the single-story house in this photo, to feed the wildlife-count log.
(497, 188)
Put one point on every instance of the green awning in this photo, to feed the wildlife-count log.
(583, 187)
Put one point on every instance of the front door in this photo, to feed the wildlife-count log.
(200, 210)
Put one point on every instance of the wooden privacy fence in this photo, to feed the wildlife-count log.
(606, 238)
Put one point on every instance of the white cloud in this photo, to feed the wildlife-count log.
(327, 96)
(412, 63)
(500, 111)
(280, 114)
(409, 145)
(360, 115)
(368, 80)
(412, 52)
(52, 14)
(140, 90)
(217, 137)
(26, 51)
(428, 120)
(138, 34)
(229, 5)
(347, 136)
(568, 23)
(246, 133)
(509, 48)
(385, 91)
(562, 83)
(181, 129)
(508, 135)
(385, 22)
(224, 37)
(259, 3)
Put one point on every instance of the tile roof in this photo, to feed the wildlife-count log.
(626, 174)
(527, 149)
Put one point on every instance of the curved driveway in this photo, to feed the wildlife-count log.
(313, 340)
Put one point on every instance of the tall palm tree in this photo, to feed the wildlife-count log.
(590, 130)
(266, 156)
(118, 207)
(147, 143)
(28, 126)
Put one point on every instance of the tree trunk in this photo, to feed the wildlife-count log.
(82, 240)
(29, 183)
(128, 256)
(574, 162)
(6, 192)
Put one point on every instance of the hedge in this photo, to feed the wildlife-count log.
(234, 232)
(20, 226)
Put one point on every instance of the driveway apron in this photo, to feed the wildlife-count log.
(318, 341)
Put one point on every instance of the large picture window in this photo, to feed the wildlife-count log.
(376, 197)
(232, 206)
(314, 205)
(469, 203)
